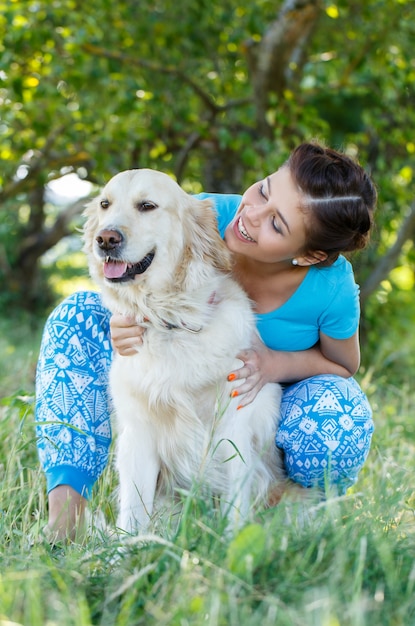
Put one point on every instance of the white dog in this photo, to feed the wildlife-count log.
(158, 257)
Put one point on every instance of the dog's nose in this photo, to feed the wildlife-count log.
(109, 239)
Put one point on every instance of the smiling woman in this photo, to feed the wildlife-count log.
(286, 234)
(269, 225)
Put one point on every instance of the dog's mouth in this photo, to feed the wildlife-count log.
(120, 271)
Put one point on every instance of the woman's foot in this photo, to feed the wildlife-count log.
(66, 515)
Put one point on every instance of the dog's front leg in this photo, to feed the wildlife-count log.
(237, 499)
(240, 492)
(138, 468)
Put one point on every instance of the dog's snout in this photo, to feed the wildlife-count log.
(109, 239)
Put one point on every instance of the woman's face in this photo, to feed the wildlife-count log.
(269, 226)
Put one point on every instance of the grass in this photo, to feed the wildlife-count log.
(352, 563)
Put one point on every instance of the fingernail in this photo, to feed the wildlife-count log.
(231, 377)
(234, 393)
(239, 407)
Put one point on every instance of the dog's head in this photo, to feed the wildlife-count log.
(144, 227)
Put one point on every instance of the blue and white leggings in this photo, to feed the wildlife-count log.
(325, 430)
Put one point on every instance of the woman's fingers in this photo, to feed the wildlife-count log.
(126, 334)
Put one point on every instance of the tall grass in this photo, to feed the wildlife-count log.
(351, 562)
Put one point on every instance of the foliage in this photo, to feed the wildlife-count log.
(19, 347)
(94, 88)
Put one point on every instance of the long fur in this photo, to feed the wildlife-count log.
(175, 420)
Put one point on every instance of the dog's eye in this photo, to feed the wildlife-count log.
(104, 204)
(146, 205)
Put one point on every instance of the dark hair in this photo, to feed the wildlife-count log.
(339, 198)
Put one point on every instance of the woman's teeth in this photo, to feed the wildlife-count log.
(243, 232)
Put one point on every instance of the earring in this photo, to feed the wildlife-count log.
(294, 262)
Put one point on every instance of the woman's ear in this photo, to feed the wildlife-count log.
(311, 258)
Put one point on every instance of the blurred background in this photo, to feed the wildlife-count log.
(215, 93)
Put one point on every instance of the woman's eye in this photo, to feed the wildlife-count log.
(104, 204)
(146, 205)
(276, 227)
(261, 191)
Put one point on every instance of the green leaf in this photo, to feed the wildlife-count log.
(247, 550)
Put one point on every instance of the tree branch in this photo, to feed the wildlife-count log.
(183, 154)
(41, 161)
(36, 244)
(271, 61)
(171, 70)
(389, 260)
(35, 164)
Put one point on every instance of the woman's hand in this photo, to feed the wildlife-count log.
(261, 365)
(126, 334)
(254, 371)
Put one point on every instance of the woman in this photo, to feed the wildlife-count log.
(286, 233)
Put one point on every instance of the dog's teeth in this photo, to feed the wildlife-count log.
(107, 259)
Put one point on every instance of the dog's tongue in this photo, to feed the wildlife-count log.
(114, 269)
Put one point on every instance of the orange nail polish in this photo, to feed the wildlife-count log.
(234, 393)
(231, 377)
(239, 407)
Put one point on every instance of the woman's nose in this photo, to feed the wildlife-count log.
(256, 212)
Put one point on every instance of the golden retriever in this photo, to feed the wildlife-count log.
(156, 253)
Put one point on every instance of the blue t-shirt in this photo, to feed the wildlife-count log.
(326, 301)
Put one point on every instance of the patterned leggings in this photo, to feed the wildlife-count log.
(325, 430)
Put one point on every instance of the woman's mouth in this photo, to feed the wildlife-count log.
(242, 231)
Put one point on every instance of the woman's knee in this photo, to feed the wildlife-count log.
(325, 431)
(78, 306)
(78, 325)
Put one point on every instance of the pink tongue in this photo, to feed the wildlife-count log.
(112, 269)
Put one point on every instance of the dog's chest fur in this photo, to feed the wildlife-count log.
(178, 382)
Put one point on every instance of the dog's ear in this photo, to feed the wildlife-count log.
(203, 238)
(90, 215)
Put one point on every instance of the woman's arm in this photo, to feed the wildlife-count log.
(262, 365)
(344, 352)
